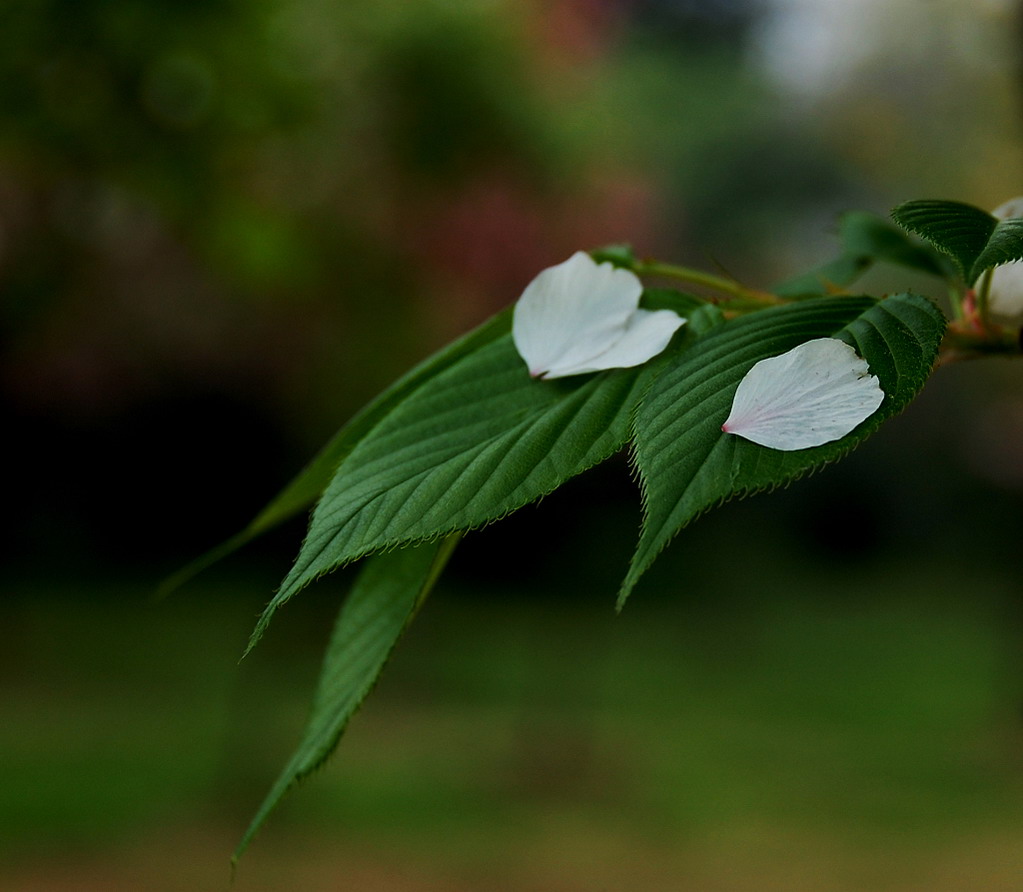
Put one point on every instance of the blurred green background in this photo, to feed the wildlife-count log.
(226, 225)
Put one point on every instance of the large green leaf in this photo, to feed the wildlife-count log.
(687, 465)
(468, 446)
(306, 488)
(386, 595)
(972, 237)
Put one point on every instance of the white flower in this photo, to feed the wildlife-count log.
(1005, 294)
(581, 316)
(813, 394)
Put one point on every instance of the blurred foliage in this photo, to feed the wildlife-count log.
(859, 731)
(225, 226)
(249, 204)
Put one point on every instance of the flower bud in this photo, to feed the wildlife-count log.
(1005, 294)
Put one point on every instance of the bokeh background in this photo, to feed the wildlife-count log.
(226, 225)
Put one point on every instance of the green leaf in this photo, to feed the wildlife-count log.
(869, 236)
(972, 237)
(308, 486)
(700, 321)
(1004, 246)
(866, 240)
(687, 464)
(619, 255)
(386, 596)
(825, 279)
(468, 446)
(671, 299)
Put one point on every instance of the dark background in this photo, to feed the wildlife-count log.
(225, 226)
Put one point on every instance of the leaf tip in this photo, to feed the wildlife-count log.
(623, 593)
(257, 632)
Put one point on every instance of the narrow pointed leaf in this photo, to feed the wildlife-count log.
(973, 238)
(687, 464)
(385, 597)
(302, 492)
(471, 444)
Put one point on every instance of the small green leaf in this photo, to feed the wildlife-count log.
(825, 279)
(619, 255)
(866, 240)
(670, 299)
(468, 446)
(972, 237)
(308, 486)
(869, 236)
(687, 464)
(386, 596)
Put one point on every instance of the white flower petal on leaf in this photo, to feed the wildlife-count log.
(581, 316)
(1005, 293)
(813, 394)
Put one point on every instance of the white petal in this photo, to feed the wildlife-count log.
(646, 334)
(813, 394)
(581, 316)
